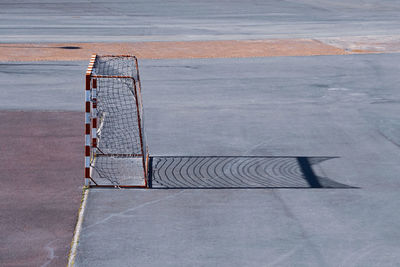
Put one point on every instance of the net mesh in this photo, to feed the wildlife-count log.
(118, 130)
(118, 158)
(116, 66)
(118, 171)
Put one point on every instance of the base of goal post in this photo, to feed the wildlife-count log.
(116, 154)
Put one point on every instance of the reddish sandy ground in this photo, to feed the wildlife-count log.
(163, 50)
(41, 163)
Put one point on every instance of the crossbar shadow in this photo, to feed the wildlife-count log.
(236, 172)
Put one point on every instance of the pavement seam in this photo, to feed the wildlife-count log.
(122, 213)
(78, 228)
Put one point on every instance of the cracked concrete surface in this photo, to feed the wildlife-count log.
(303, 106)
(124, 212)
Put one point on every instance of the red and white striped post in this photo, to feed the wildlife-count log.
(88, 120)
(94, 112)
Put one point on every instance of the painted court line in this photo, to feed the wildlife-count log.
(78, 228)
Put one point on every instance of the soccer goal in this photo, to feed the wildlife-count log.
(116, 154)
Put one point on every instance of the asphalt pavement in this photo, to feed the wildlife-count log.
(187, 20)
(337, 106)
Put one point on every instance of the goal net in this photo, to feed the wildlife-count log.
(118, 154)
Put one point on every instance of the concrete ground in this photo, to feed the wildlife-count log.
(341, 106)
(188, 20)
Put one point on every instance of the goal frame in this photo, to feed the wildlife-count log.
(92, 121)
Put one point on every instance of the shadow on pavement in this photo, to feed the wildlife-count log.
(235, 172)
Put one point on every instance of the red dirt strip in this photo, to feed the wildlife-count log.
(164, 50)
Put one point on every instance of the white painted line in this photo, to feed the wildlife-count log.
(78, 228)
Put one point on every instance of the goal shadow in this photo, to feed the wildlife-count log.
(238, 172)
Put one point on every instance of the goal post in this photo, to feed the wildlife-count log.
(116, 152)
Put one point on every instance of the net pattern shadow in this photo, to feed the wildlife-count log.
(238, 172)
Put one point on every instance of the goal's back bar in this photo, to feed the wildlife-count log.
(116, 154)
